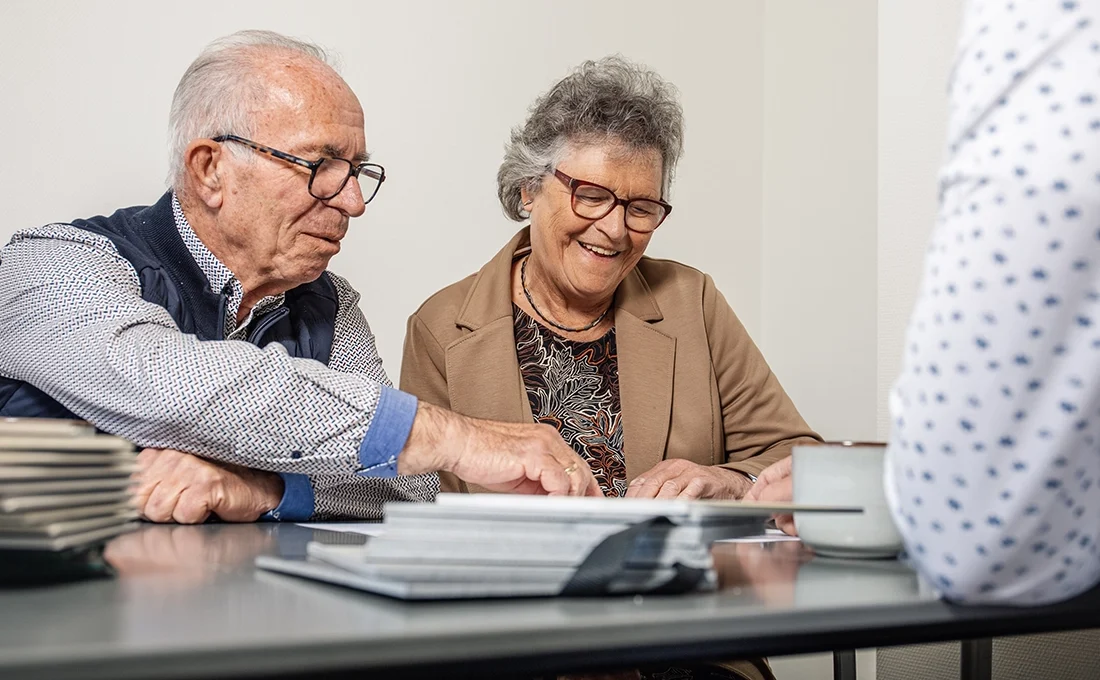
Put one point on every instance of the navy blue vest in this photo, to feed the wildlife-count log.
(170, 277)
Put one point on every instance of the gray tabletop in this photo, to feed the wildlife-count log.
(188, 603)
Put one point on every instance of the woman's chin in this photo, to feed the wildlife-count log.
(596, 293)
(594, 279)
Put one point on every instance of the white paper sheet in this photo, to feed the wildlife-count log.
(769, 536)
(362, 528)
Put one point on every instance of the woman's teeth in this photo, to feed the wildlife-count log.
(599, 251)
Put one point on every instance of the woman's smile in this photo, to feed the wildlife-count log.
(600, 252)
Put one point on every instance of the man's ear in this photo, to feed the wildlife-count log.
(202, 160)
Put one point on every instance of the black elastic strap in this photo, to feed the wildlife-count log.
(608, 560)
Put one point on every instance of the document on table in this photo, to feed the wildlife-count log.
(377, 529)
(769, 536)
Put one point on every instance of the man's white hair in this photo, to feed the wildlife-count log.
(219, 91)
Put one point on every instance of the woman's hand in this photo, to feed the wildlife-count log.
(679, 478)
(774, 486)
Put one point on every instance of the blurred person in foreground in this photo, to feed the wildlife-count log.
(993, 468)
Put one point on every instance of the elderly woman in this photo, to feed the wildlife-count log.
(639, 363)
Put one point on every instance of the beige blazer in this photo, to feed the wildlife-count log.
(692, 383)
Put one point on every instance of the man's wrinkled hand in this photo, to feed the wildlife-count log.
(173, 486)
(527, 459)
(521, 458)
(774, 486)
(679, 478)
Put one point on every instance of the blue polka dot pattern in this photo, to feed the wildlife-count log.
(1005, 505)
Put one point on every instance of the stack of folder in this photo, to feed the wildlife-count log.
(486, 545)
(62, 486)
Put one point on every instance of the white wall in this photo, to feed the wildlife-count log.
(915, 47)
(819, 209)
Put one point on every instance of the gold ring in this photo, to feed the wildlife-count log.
(571, 469)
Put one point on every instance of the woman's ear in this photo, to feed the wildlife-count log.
(527, 199)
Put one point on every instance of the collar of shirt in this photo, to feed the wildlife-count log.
(220, 277)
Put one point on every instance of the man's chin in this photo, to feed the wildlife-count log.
(315, 274)
(312, 270)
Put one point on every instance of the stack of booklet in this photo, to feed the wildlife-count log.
(62, 486)
(487, 545)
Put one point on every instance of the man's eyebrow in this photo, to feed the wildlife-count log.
(330, 151)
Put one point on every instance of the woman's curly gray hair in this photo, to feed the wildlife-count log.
(610, 100)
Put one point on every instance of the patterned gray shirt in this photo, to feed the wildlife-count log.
(76, 327)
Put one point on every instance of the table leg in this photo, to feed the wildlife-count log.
(844, 664)
(976, 659)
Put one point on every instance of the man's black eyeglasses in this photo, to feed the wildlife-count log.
(327, 176)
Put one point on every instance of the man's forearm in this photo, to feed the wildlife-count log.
(434, 431)
(121, 363)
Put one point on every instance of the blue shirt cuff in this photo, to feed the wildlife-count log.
(387, 434)
(297, 503)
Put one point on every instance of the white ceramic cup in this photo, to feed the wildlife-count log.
(848, 474)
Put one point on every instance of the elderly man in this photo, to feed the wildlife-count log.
(206, 328)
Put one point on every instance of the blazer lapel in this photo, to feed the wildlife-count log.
(482, 367)
(646, 359)
(483, 375)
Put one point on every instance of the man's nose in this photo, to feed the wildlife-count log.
(350, 199)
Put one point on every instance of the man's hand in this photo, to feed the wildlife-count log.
(505, 457)
(173, 486)
(679, 478)
(774, 486)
